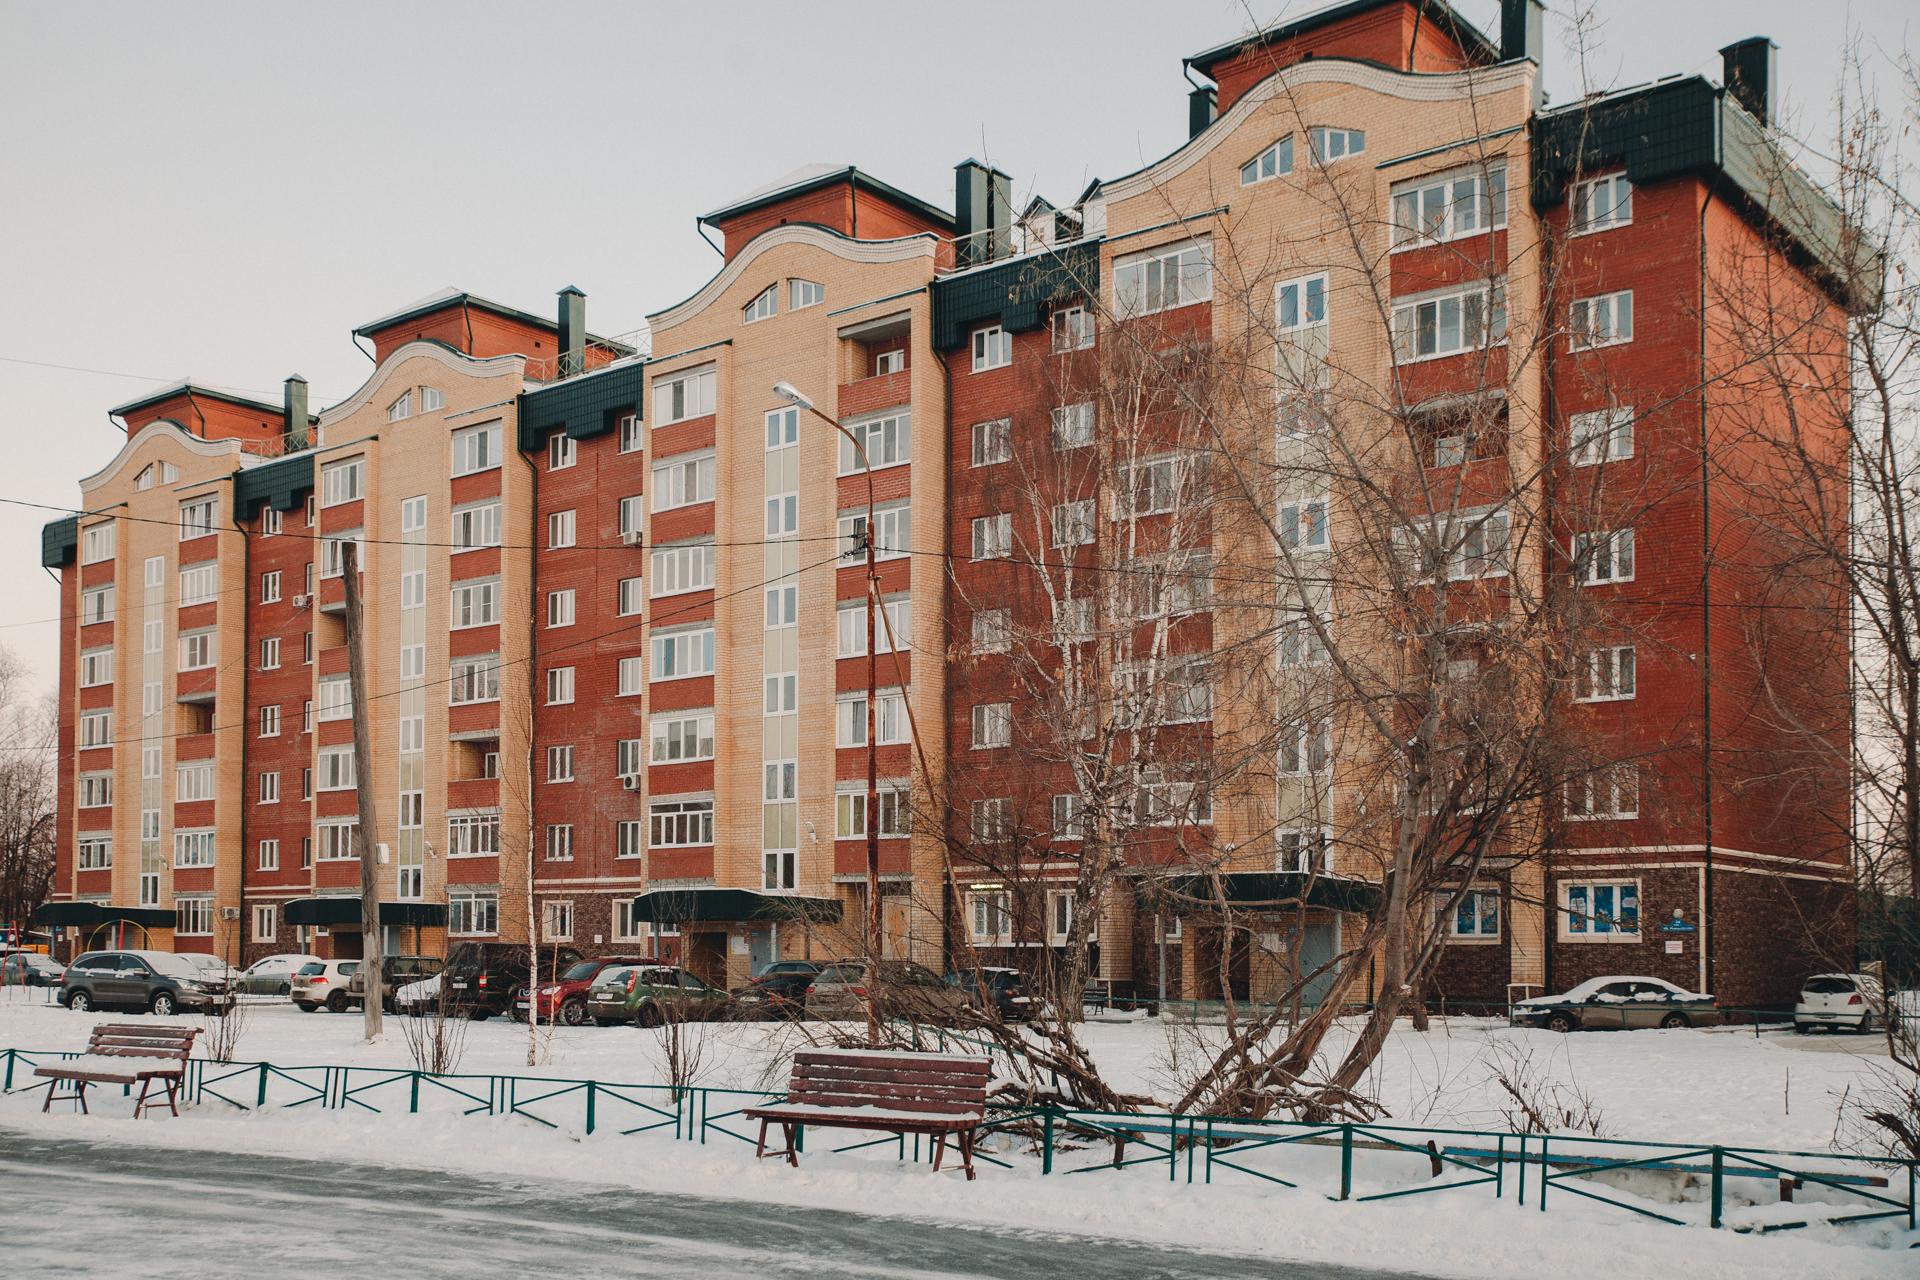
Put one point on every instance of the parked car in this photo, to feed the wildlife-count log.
(903, 990)
(651, 994)
(779, 992)
(321, 984)
(395, 972)
(160, 981)
(30, 969)
(1616, 1002)
(564, 1000)
(417, 998)
(485, 978)
(1854, 1001)
(212, 966)
(1002, 990)
(272, 976)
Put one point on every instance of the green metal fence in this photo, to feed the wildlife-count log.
(1357, 1162)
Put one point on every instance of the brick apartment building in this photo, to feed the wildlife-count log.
(616, 602)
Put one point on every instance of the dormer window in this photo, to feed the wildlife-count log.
(1276, 161)
(1335, 144)
(763, 307)
(401, 408)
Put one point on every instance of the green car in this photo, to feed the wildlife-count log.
(650, 994)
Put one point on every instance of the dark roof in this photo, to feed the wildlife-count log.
(1261, 891)
(190, 387)
(279, 484)
(458, 297)
(345, 909)
(682, 906)
(587, 405)
(85, 914)
(1689, 125)
(1442, 15)
(1016, 293)
(851, 174)
(59, 541)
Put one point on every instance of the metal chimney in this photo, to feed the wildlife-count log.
(1203, 105)
(293, 414)
(1749, 68)
(573, 332)
(1521, 30)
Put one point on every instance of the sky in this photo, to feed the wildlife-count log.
(223, 191)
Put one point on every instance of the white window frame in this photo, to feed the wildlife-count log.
(560, 762)
(990, 918)
(560, 529)
(684, 653)
(685, 395)
(473, 602)
(1140, 281)
(1604, 557)
(1073, 329)
(563, 451)
(763, 306)
(1488, 211)
(684, 480)
(682, 567)
(199, 516)
(1275, 160)
(991, 347)
(668, 737)
(1330, 144)
(802, 294)
(1601, 436)
(1476, 305)
(1606, 674)
(992, 726)
(1298, 305)
(1600, 204)
(992, 537)
(1586, 923)
(343, 481)
(1617, 786)
(1604, 320)
(476, 449)
(560, 608)
(97, 542)
(992, 442)
(559, 686)
(887, 439)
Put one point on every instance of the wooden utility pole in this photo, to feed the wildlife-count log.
(362, 767)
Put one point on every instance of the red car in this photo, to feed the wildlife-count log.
(564, 1000)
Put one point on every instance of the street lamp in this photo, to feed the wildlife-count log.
(793, 396)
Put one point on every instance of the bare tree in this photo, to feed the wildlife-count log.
(28, 737)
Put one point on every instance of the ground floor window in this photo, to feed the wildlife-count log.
(556, 921)
(625, 927)
(1600, 910)
(265, 917)
(1477, 915)
(471, 914)
(194, 916)
(990, 918)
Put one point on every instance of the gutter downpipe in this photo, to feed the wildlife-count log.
(1707, 923)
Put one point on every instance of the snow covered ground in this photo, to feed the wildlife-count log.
(1721, 1086)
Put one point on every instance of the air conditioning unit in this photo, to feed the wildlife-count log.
(301, 601)
(229, 913)
(631, 781)
(629, 537)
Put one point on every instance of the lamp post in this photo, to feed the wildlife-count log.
(792, 395)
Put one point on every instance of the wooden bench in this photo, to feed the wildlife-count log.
(124, 1053)
(941, 1095)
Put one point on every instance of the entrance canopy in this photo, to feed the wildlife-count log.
(333, 912)
(694, 906)
(88, 915)
(1260, 891)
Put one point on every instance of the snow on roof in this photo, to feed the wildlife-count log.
(419, 304)
(797, 178)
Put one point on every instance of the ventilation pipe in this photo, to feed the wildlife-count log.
(1749, 68)
(573, 332)
(1203, 105)
(293, 415)
(982, 214)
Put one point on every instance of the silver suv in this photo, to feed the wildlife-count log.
(159, 981)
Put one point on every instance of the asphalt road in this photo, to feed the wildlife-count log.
(89, 1209)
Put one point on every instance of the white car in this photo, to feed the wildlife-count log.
(417, 997)
(322, 984)
(272, 976)
(1617, 1001)
(1850, 1000)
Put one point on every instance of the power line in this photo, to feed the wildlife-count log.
(137, 377)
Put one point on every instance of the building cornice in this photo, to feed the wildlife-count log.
(1452, 86)
(901, 249)
(160, 428)
(457, 361)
